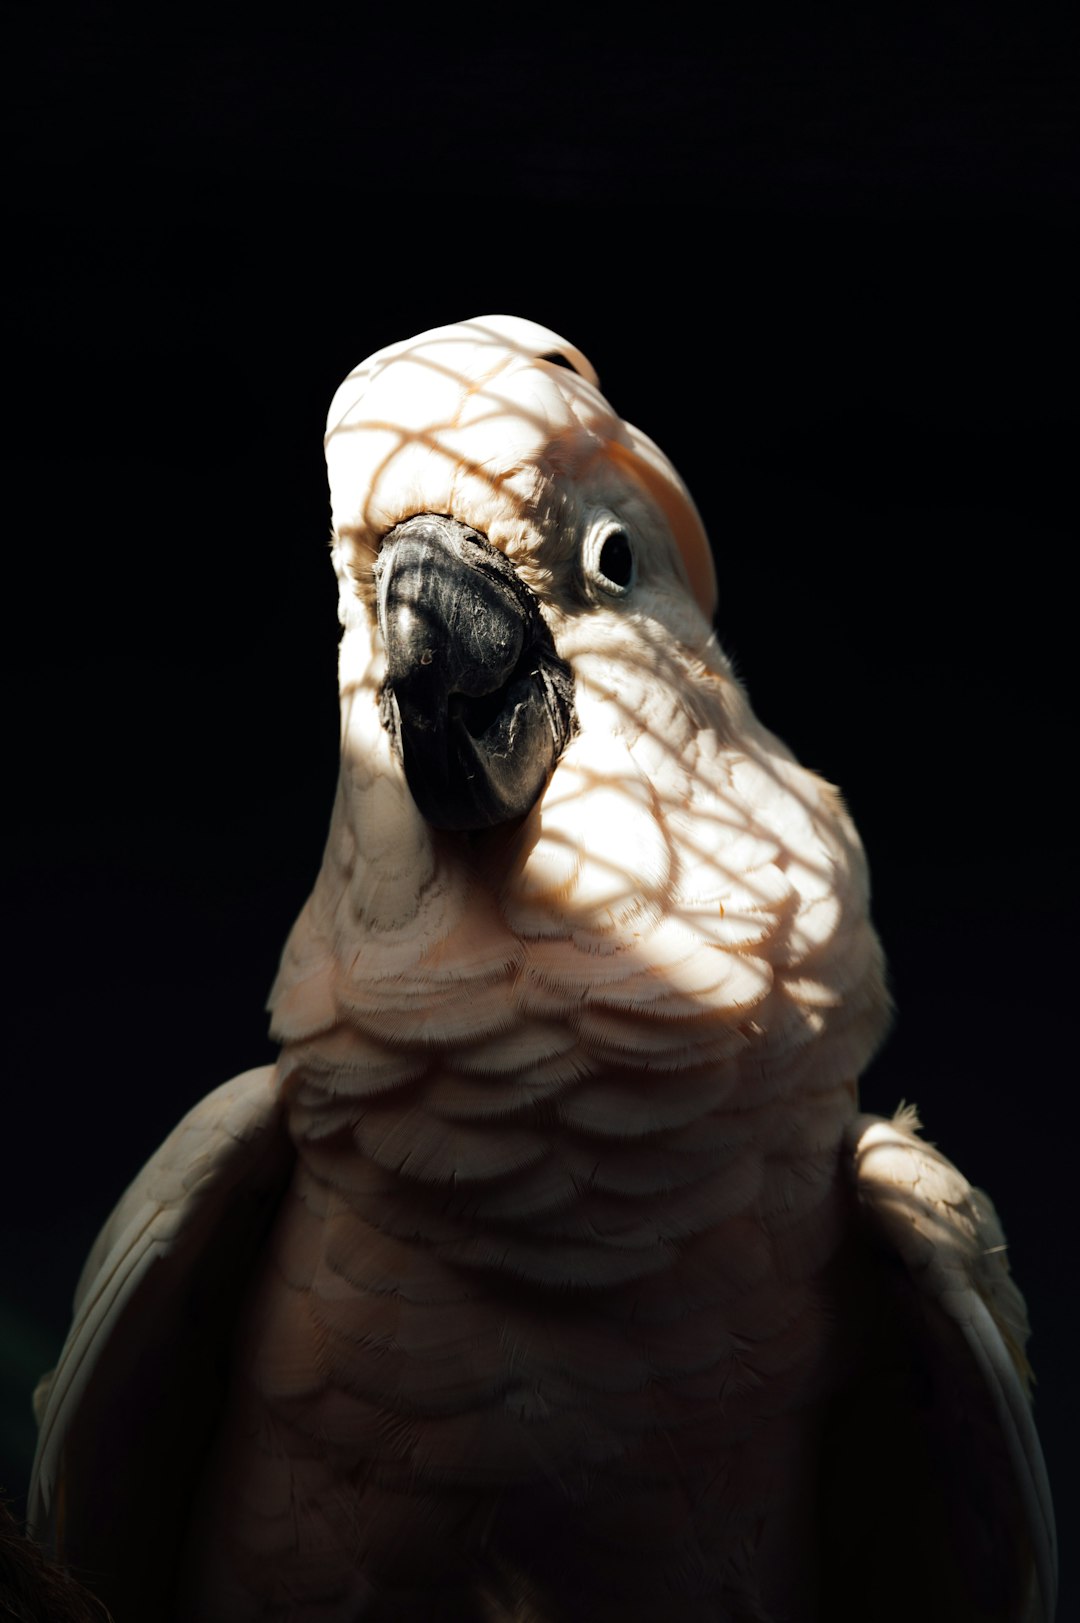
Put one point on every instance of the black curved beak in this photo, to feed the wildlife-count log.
(478, 702)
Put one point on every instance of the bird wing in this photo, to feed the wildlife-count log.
(126, 1416)
(934, 1460)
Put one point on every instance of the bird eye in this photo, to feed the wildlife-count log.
(616, 561)
(608, 558)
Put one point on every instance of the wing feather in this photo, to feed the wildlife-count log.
(129, 1410)
(946, 1236)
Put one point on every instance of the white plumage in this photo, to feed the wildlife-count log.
(583, 1276)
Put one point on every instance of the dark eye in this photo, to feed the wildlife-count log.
(607, 556)
(616, 560)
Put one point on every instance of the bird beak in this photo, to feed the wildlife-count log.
(477, 701)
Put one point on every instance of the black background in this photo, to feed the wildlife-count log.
(830, 265)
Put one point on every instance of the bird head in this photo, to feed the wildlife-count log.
(485, 496)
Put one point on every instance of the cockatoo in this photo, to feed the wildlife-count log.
(552, 1273)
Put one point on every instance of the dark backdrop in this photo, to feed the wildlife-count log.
(831, 268)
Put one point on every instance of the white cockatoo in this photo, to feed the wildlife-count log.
(552, 1273)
